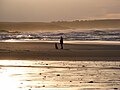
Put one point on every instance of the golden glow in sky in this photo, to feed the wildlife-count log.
(52, 10)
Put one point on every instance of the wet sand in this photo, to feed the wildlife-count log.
(59, 75)
(47, 51)
(39, 66)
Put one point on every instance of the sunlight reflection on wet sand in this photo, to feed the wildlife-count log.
(58, 75)
(69, 42)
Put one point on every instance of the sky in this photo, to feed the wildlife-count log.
(55, 10)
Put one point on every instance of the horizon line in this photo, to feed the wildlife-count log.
(63, 20)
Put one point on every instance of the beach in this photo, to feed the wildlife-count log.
(59, 44)
(39, 66)
(47, 51)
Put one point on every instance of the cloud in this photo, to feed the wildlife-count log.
(51, 10)
(113, 15)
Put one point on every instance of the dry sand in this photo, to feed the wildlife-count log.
(47, 51)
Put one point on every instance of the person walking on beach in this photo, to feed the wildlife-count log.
(61, 42)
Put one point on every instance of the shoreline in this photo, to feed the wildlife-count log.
(92, 59)
(65, 42)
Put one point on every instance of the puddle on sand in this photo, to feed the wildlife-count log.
(59, 75)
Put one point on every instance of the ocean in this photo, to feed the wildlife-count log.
(68, 35)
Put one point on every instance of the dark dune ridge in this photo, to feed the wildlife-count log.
(47, 51)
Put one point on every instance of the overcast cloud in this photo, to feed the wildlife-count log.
(54, 10)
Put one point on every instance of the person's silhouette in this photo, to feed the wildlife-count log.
(61, 42)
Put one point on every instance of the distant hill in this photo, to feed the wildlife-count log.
(88, 24)
(4, 31)
(59, 25)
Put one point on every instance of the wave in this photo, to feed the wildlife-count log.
(76, 35)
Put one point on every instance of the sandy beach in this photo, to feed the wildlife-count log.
(47, 51)
(59, 44)
(39, 66)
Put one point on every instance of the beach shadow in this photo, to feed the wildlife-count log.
(4, 50)
(65, 49)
